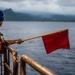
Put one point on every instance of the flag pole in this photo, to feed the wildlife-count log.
(43, 35)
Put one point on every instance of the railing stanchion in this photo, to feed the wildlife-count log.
(15, 63)
(22, 67)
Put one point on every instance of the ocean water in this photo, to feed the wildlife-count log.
(61, 61)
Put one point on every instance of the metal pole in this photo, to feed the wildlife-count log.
(38, 67)
(22, 67)
(5, 61)
(15, 63)
(1, 63)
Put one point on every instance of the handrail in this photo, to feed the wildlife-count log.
(22, 62)
(38, 67)
(15, 63)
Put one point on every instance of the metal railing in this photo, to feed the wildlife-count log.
(5, 58)
(22, 62)
(38, 67)
(15, 62)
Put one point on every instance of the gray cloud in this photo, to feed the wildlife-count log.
(50, 6)
(11, 0)
(66, 2)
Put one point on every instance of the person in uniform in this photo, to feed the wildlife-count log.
(6, 42)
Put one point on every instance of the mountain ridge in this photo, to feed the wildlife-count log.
(10, 15)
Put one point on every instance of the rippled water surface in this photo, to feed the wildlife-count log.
(61, 61)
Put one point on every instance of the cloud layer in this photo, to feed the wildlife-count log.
(47, 6)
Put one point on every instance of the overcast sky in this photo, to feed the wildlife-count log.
(50, 6)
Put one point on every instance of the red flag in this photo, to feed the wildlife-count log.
(56, 40)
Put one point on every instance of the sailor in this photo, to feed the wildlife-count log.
(6, 42)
